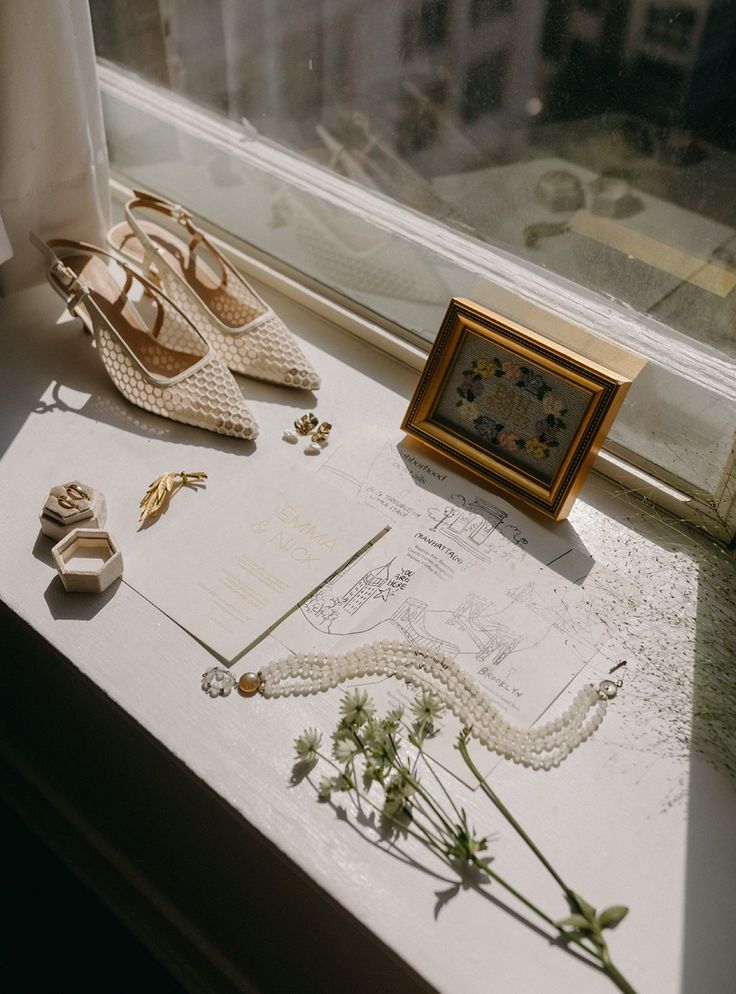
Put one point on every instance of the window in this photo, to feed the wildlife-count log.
(399, 151)
(671, 27)
(482, 11)
(483, 91)
(425, 26)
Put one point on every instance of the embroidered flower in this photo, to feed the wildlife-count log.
(486, 428)
(467, 410)
(535, 449)
(553, 405)
(534, 384)
(484, 367)
(473, 385)
(509, 441)
(547, 432)
(511, 370)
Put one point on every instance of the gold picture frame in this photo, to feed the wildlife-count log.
(515, 408)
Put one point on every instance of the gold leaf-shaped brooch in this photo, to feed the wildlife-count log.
(163, 489)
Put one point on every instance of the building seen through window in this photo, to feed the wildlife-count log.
(595, 139)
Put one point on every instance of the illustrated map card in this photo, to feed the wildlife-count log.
(462, 573)
(230, 564)
(520, 630)
(399, 478)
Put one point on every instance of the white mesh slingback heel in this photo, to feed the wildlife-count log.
(163, 365)
(247, 334)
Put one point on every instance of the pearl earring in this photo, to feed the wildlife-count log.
(302, 426)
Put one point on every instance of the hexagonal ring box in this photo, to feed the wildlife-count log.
(72, 505)
(88, 560)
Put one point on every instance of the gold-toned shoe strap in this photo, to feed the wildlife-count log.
(65, 277)
(77, 289)
(150, 201)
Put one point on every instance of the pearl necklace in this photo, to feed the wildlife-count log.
(310, 673)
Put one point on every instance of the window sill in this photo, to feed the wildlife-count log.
(180, 811)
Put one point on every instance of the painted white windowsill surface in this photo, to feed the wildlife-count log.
(179, 809)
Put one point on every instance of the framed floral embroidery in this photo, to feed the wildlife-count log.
(516, 409)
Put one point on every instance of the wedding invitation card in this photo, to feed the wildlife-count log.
(230, 561)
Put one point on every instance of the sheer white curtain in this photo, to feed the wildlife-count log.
(53, 158)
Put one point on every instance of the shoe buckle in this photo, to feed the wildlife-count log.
(70, 283)
(180, 215)
(67, 278)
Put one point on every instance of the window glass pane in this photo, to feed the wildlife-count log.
(594, 139)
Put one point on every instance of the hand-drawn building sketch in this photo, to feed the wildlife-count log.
(375, 583)
(469, 524)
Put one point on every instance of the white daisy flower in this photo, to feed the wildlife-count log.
(398, 794)
(356, 707)
(427, 708)
(345, 749)
(342, 782)
(307, 744)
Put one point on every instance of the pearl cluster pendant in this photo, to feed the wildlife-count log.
(538, 748)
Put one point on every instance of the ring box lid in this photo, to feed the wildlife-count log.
(70, 505)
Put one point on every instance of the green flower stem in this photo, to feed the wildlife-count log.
(447, 827)
(327, 759)
(496, 800)
(444, 834)
(429, 764)
(426, 839)
(404, 771)
(616, 976)
(532, 907)
(436, 842)
(601, 954)
(354, 781)
(431, 840)
(519, 897)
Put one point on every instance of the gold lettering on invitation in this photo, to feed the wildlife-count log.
(306, 528)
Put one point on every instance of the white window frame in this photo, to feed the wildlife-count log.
(715, 511)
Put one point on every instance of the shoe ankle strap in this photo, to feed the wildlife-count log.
(152, 201)
(65, 277)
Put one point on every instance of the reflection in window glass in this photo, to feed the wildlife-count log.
(594, 139)
(486, 10)
(483, 90)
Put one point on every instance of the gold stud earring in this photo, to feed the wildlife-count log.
(322, 432)
(319, 439)
(306, 423)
